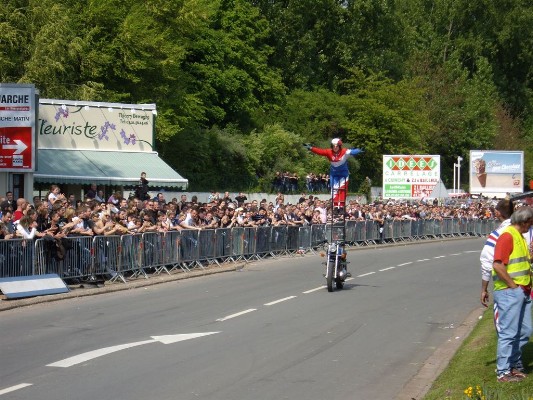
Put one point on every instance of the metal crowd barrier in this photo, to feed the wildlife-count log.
(223, 245)
(17, 258)
(122, 258)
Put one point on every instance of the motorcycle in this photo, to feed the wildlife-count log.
(336, 265)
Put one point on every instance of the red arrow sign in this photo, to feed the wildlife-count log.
(16, 148)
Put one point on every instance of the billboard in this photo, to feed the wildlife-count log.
(17, 122)
(410, 176)
(496, 171)
(95, 126)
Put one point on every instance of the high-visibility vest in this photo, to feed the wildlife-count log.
(519, 266)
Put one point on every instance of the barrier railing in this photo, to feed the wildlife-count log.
(122, 258)
(17, 258)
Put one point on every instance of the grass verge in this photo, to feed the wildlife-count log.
(470, 374)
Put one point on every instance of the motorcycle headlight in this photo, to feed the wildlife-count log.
(332, 248)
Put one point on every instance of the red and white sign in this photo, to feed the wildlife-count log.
(17, 127)
(15, 153)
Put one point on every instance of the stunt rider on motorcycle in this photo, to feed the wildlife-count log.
(339, 173)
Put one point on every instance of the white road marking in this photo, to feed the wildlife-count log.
(455, 254)
(439, 257)
(315, 289)
(348, 279)
(69, 362)
(368, 273)
(386, 269)
(473, 251)
(424, 259)
(166, 339)
(407, 263)
(169, 339)
(236, 314)
(279, 301)
(13, 388)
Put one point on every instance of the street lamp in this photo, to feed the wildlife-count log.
(459, 159)
(454, 167)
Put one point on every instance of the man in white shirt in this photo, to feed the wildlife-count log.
(503, 211)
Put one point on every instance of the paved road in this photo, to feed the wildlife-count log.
(270, 331)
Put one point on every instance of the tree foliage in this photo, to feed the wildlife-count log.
(240, 84)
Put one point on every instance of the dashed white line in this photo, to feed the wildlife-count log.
(407, 263)
(236, 314)
(368, 273)
(472, 251)
(386, 269)
(13, 388)
(455, 254)
(279, 301)
(424, 259)
(315, 289)
(439, 257)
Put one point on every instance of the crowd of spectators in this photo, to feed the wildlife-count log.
(59, 215)
(289, 182)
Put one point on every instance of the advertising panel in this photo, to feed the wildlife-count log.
(410, 176)
(496, 171)
(17, 122)
(95, 126)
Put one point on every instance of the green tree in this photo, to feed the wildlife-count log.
(213, 159)
(462, 112)
(229, 66)
(315, 115)
(14, 39)
(317, 41)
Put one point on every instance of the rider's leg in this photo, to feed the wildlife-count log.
(339, 187)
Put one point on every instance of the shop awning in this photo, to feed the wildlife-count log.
(117, 168)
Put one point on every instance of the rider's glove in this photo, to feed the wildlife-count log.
(307, 146)
(357, 151)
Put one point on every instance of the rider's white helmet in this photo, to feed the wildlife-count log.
(336, 141)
